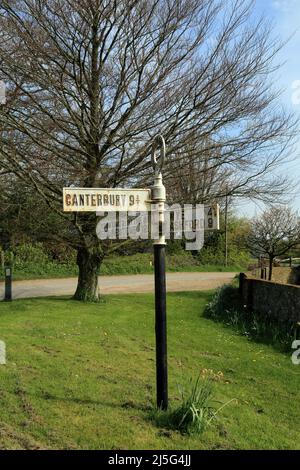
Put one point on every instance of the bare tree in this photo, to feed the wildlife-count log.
(275, 232)
(90, 82)
(200, 181)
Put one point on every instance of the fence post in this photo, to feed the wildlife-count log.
(250, 295)
(241, 283)
(241, 286)
(262, 273)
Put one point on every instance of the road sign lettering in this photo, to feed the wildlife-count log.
(211, 217)
(106, 199)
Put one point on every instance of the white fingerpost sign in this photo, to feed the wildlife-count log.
(106, 199)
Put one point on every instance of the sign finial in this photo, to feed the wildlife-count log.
(158, 162)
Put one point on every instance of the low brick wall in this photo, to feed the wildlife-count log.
(271, 299)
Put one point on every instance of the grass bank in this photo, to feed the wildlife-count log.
(82, 376)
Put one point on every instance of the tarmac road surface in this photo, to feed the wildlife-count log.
(128, 284)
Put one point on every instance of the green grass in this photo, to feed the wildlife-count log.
(141, 263)
(82, 376)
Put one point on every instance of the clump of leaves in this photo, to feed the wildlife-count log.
(195, 411)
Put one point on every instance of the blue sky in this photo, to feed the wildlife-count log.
(285, 16)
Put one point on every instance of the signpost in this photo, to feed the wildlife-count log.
(8, 283)
(143, 200)
(158, 194)
(7, 263)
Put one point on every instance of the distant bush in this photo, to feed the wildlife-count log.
(144, 263)
(216, 255)
(40, 261)
(31, 261)
(134, 264)
(29, 254)
(226, 306)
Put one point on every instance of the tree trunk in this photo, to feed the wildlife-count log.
(88, 262)
(271, 258)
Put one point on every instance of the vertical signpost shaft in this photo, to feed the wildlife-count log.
(158, 198)
(161, 327)
(8, 283)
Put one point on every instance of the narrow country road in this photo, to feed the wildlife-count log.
(138, 283)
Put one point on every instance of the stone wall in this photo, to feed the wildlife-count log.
(271, 299)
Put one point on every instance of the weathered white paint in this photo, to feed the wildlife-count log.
(106, 199)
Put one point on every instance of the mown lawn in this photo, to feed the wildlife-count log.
(82, 376)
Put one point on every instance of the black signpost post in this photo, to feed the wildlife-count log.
(158, 197)
(8, 283)
(161, 327)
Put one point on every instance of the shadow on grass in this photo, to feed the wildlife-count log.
(54, 298)
(89, 401)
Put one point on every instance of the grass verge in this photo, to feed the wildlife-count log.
(82, 376)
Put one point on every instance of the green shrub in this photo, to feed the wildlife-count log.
(37, 261)
(225, 303)
(29, 254)
(32, 261)
(226, 306)
(134, 264)
(216, 255)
